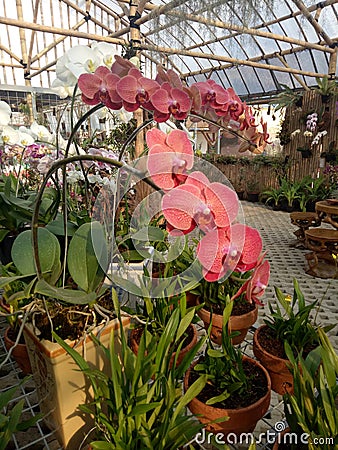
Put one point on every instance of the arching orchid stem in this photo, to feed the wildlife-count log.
(226, 128)
(238, 279)
(132, 137)
(57, 165)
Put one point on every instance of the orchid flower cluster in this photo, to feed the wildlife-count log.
(123, 85)
(191, 201)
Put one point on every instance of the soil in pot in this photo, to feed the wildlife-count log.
(189, 342)
(69, 322)
(243, 316)
(243, 411)
(270, 352)
(19, 352)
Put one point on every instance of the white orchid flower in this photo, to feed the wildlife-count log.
(92, 178)
(45, 163)
(15, 137)
(73, 176)
(62, 89)
(105, 53)
(41, 132)
(77, 60)
(5, 113)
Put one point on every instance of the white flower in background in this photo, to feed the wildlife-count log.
(318, 137)
(77, 60)
(41, 133)
(73, 176)
(105, 53)
(294, 133)
(308, 134)
(92, 178)
(123, 115)
(11, 136)
(110, 183)
(74, 152)
(5, 113)
(62, 89)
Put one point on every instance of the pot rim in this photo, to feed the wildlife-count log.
(248, 408)
(262, 349)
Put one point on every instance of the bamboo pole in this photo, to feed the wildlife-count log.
(333, 64)
(319, 30)
(56, 42)
(237, 62)
(296, 77)
(35, 16)
(63, 32)
(10, 53)
(84, 13)
(154, 13)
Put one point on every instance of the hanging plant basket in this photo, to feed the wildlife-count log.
(306, 152)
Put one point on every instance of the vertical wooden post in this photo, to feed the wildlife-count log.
(24, 58)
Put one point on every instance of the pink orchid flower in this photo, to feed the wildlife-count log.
(199, 203)
(212, 94)
(224, 250)
(100, 87)
(169, 101)
(121, 66)
(169, 158)
(255, 286)
(136, 90)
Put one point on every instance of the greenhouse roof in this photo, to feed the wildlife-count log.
(254, 46)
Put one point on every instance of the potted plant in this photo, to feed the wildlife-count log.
(293, 325)
(140, 404)
(326, 88)
(305, 152)
(244, 289)
(154, 312)
(311, 410)
(237, 391)
(287, 98)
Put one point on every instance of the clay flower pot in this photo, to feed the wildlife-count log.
(19, 352)
(236, 323)
(241, 420)
(281, 377)
(135, 339)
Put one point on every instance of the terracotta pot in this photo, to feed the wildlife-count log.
(241, 420)
(281, 377)
(191, 299)
(19, 353)
(62, 387)
(134, 345)
(236, 323)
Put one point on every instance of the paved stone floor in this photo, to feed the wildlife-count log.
(288, 262)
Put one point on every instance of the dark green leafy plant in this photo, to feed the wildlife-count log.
(312, 407)
(140, 405)
(223, 367)
(294, 325)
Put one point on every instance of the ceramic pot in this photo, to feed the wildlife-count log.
(236, 323)
(281, 377)
(19, 352)
(241, 420)
(62, 387)
(134, 344)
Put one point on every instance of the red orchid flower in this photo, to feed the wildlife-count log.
(121, 66)
(169, 158)
(247, 119)
(233, 108)
(169, 101)
(224, 250)
(212, 94)
(136, 90)
(100, 87)
(255, 286)
(199, 203)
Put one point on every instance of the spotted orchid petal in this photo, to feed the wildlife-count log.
(248, 243)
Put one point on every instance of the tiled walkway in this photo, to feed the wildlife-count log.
(288, 263)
